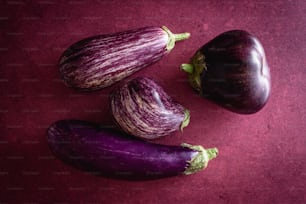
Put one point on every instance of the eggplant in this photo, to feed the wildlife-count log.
(106, 152)
(142, 108)
(232, 71)
(100, 61)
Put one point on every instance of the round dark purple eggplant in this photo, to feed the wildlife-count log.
(142, 108)
(105, 152)
(100, 61)
(232, 71)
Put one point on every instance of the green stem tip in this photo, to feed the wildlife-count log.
(187, 68)
(212, 153)
(181, 36)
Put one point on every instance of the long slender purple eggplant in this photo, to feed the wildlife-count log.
(142, 108)
(232, 71)
(100, 61)
(89, 147)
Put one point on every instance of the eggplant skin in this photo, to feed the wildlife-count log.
(100, 61)
(234, 72)
(106, 152)
(142, 108)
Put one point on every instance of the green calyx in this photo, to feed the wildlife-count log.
(195, 69)
(186, 120)
(200, 161)
(174, 38)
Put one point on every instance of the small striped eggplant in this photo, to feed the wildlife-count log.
(232, 71)
(142, 108)
(100, 61)
(107, 153)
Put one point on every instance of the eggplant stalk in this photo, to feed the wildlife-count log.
(174, 38)
(200, 161)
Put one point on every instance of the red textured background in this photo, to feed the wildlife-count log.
(262, 156)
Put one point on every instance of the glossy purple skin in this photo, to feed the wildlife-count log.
(142, 108)
(105, 152)
(237, 75)
(100, 61)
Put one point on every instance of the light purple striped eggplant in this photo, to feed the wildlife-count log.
(142, 108)
(100, 61)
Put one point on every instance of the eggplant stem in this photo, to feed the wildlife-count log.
(186, 120)
(212, 153)
(174, 37)
(187, 68)
(195, 70)
(200, 161)
(181, 36)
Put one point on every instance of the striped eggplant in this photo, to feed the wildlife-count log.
(100, 61)
(232, 71)
(142, 108)
(105, 152)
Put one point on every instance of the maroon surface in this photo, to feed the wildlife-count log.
(262, 157)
